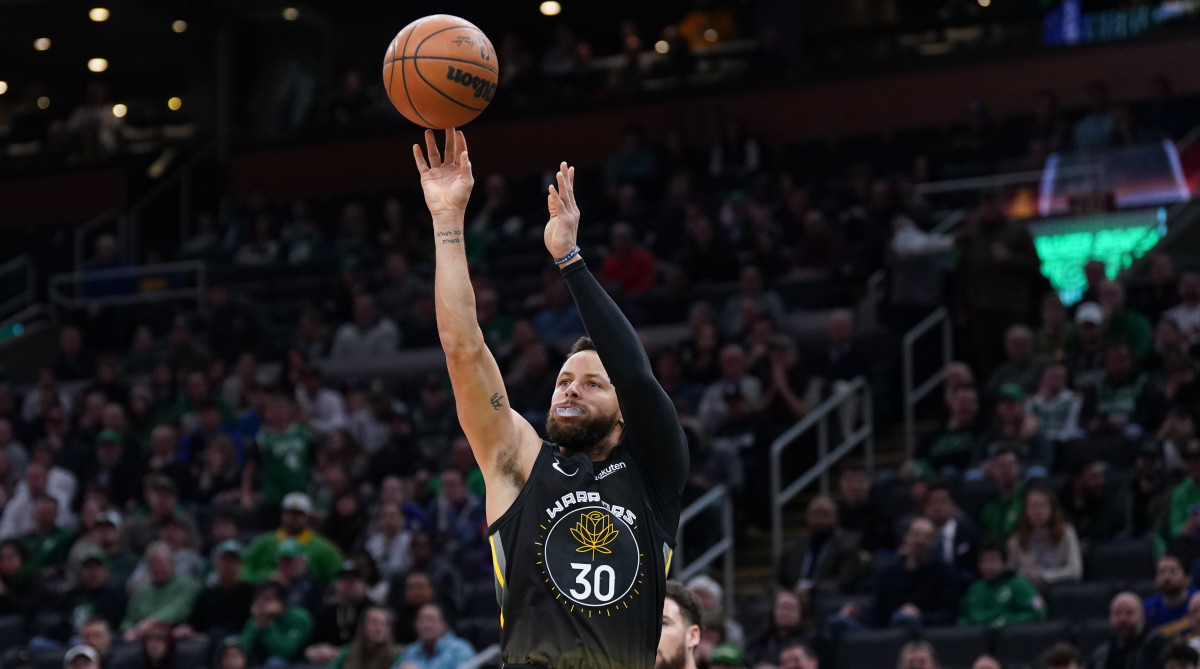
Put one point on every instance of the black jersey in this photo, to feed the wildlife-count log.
(581, 560)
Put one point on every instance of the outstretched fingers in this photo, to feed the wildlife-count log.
(451, 145)
(463, 158)
(419, 156)
(435, 158)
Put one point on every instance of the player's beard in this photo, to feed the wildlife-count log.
(582, 435)
(675, 661)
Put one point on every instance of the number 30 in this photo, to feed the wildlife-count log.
(595, 587)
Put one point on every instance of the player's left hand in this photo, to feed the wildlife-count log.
(563, 227)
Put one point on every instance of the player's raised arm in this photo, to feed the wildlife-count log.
(504, 443)
(647, 409)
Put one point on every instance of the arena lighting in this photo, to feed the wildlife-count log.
(97, 64)
(174, 104)
(178, 26)
(290, 13)
(98, 14)
(550, 8)
(41, 43)
(43, 102)
(985, 3)
(3, 87)
(119, 110)
(711, 35)
(662, 46)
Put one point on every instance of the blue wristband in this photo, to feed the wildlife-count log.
(574, 252)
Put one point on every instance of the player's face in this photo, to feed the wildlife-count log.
(583, 409)
(678, 638)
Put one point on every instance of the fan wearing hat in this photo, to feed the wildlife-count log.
(1121, 401)
(96, 596)
(224, 605)
(726, 656)
(48, 544)
(338, 620)
(1147, 498)
(162, 503)
(281, 456)
(81, 657)
(324, 559)
(104, 537)
(116, 467)
(300, 588)
(276, 633)
(1085, 359)
(1020, 367)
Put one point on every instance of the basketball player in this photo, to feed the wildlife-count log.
(581, 526)
(680, 628)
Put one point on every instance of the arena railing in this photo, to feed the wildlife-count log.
(818, 418)
(181, 179)
(912, 395)
(722, 549)
(23, 277)
(65, 290)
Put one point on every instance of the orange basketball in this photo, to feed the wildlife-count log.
(441, 71)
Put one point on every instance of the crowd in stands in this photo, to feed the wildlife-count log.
(185, 486)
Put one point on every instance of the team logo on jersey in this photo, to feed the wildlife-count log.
(591, 559)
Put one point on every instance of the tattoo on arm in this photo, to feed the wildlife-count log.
(449, 236)
(497, 401)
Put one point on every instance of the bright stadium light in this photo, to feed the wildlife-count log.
(174, 104)
(43, 102)
(550, 8)
(662, 46)
(711, 35)
(41, 43)
(119, 110)
(3, 87)
(178, 26)
(290, 14)
(97, 64)
(98, 14)
(985, 3)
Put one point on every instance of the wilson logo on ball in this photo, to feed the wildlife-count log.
(483, 88)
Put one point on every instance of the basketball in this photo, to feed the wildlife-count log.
(440, 71)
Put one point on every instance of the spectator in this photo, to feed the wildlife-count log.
(389, 545)
(436, 647)
(798, 655)
(263, 248)
(291, 571)
(1089, 505)
(104, 537)
(232, 654)
(1002, 596)
(858, 511)
(97, 596)
(1187, 313)
(726, 656)
(372, 646)
(1124, 324)
(406, 600)
(324, 559)
(115, 464)
(751, 291)
(48, 544)
(45, 396)
(956, 537)
(1121, 403)
(1054, 337)
(917, 655)
(558, 318)
(39, 481)
(74, 363)
(219, 480)
(705, 256)
(339, 621)
(400, 289)
(197, 391)
(223, 607)
(323, 408)
(989, 662)
(1185, 497)
(1130, 645)
(456, 515)
(714, 409)
(997, 260)
(1044, 547)
(97, 635)
(275, 634)
(168, 597)
(162, 507)
(284, 452)
(1055, 406)
(628, 265)
(1146, 500)
(1167, 610)
(712, 603)
(22, 590)
(681, 629)
(368, 337)
(210, 426)
(785, 625)
(1011, 425)
(1097, 128)
(230, 327)
(823, 561)
(1020, 367)
(842, 360)
(1061, 655)
(164, 459)
(1086, 359)
(158, 648)
(1161, 292)
(951, 450)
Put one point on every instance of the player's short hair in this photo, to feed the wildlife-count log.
(688, 603)
(1060, 655)
(582, 344)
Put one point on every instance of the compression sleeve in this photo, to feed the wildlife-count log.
(648, 411)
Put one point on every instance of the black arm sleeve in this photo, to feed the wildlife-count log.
(648, 411)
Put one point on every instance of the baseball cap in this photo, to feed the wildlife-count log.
(160, 482)
(297, 501)
(1089, 312)
(228, 546)
(110, 517)
(108, 437)
(95, 556)
(1012, 391)
(81, 651)
(726, 653)
(232, 642)
(289, 548)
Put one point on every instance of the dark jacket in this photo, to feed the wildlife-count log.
(930, 587)
(223, 607)
(1141, 653)
(834, 568)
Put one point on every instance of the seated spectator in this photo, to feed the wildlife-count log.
(714, 409)
(162, 507)
(1020, 366)
(158, 648)
(22, 592)
(456, 516)
(1061, 655)
(166, 598)
(322, 406)
(798, 655)
(823, 561)
(1167, 609)
(210, 426)
(434, 420)
(1180, 656)
(1146, 500)
(372, 646)
(116, 465)
(218, 477)
(1013, 426)
(712, 603)
(558, 318)
(368, 337)
(842, 360)
(951, 450)
(48, 544)
(291, 571)
(263, 248)
(1086, 357)
(276, 633)
(104, 537)
(1055, 406)
(1177, 430)
(858, 511)
(97, 596)
(232, 654)
(97, 635)
(324, 559)
(529, 379)
(223, 606)
(1089, 505)
(436, 646)
(197, 392)
(785, 626)
(1044, 547)
(1124, 324)
(74, 362)
(726, 656)
(187, 560)
(786, 397)
(628, 265)
(281, 457)
(39, 480)
(1053, 339)
(1122, 401)
(1001, 513)
(956, 537)
(1187, 313)
(917, 655)
(1001, 596)
(1185, 497)
(751, 291)
(389, 544)
(1130, 643)
(164, 459)
(339, 620)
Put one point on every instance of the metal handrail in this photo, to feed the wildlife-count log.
(913, 395)
(819, 418)
(182, 179)
(484, 656)
(24, 298)
(997, 180)
(74, 279)
(723, 548)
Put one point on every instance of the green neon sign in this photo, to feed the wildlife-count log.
(1064, 246)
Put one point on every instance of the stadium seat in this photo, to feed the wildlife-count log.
(1024, 642)
(45, 624)
(1117, 451)
(12, 631)
(958, 647)
(871, 649)
(971, 496)
(1143, 588)
(1122, 561)
(828, 605)
(51, 658)
(1092, 633)
(192, 652)
(1077, 601)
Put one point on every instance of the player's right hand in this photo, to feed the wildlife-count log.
(563, 226)
(447, 182)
